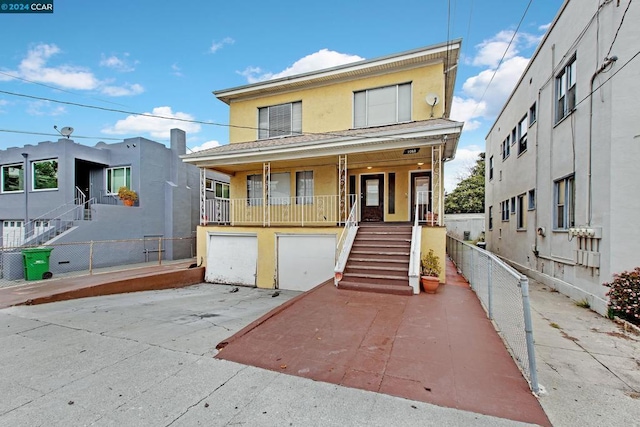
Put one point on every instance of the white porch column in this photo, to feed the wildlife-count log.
(436, 194)
(343, 212)
(266, 193)
(203, 196)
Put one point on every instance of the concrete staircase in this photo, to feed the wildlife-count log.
(379, 259)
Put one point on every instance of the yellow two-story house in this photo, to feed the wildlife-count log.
(336, 173)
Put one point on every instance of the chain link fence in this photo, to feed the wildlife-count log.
(84, 258)
(504, 293)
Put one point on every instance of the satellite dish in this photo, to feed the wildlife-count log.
(65, 131)
(432, 99)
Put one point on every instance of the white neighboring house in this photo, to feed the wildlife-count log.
(562, 178)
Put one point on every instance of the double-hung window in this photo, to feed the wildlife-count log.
(304, 188)
(522, 135)
(12, 178)
(279, 189)
(491, 168)
(118, 177)
(45, 175)
(566, 90)
(564, 203)
(280, 120)
(506, 148)
(504, 206)
(382, 106)
(522, 214)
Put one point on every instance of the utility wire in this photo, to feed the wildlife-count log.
(619, 26)
(502, 59)
(55, 134)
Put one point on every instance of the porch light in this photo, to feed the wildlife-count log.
(368, 167)
(420, 163)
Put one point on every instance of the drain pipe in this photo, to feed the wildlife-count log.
(607, 61)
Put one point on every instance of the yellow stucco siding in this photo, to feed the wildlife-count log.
(436, 238)
(266, 236)
(331, 108)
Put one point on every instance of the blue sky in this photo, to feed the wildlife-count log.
(144, 56)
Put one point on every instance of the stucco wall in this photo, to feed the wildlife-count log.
(436, 238)
(332, 106)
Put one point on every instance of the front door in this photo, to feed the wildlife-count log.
(372, 197)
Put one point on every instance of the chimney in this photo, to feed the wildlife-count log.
(178, 142)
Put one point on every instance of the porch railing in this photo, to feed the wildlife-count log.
(305, 210)
(216, 211)
(416, 243)
(426, 210)
(345, 242)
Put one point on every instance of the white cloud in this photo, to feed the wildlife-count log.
(176, 71)
(124, 90)
(205, 146)
(465, 109)
(154, 126)
(502, 84)
(34, 67)
(321, 59)
(216, 46)
(119, 64)
(458, 168)
(544, 27)
(45, 108)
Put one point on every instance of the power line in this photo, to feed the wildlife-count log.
(619, 26)
(502, 59)
(55, 134)
(57, 88)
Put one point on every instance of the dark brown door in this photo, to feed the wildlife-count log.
(372, 197)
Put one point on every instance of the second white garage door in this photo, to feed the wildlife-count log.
(305, 261)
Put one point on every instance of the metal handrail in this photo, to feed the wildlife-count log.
(414, 257)
(345, 242)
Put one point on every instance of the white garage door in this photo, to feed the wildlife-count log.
(232, 259)
(305, 261)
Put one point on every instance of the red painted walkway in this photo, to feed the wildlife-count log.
(437, 348)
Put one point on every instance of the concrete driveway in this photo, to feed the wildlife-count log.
(147, 359)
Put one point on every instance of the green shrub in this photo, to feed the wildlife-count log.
(624, 295)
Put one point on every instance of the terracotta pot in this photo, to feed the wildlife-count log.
(430, 283)
(128, 202)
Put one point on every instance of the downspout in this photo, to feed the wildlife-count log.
(607, 61)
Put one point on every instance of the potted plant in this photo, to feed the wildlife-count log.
(127, 196)
(430, 272)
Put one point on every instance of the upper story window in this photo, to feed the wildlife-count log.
(506, 148)
(382, 106)
(12, 178)
(304, 187)
(566, 90)
(491, 168)
(278, 189)
(280, 120)
(118, 177)
(533, 114)
(522, 135)
(45, 175)
(220, 189)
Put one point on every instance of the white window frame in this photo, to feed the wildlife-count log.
(564, 203)
(490, 168)
(33, 175)
(363, 109)
(304, 187)
(110, 171)
(490, 217)
(267, 120)
(565, 90)
(20, 181)
(505, 210)
(279, 189)
(531, 203)
(521, 218)
(522, 134)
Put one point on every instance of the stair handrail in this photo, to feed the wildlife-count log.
(414, 256)
(345, 242)
(58, 218)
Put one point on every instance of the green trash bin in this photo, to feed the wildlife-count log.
(36, 263)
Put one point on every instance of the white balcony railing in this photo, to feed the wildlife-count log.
(216, 211)
(301, 211)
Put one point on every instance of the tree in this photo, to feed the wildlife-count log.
(468, 196)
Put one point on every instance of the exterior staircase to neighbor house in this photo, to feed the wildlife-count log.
(379, 259)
